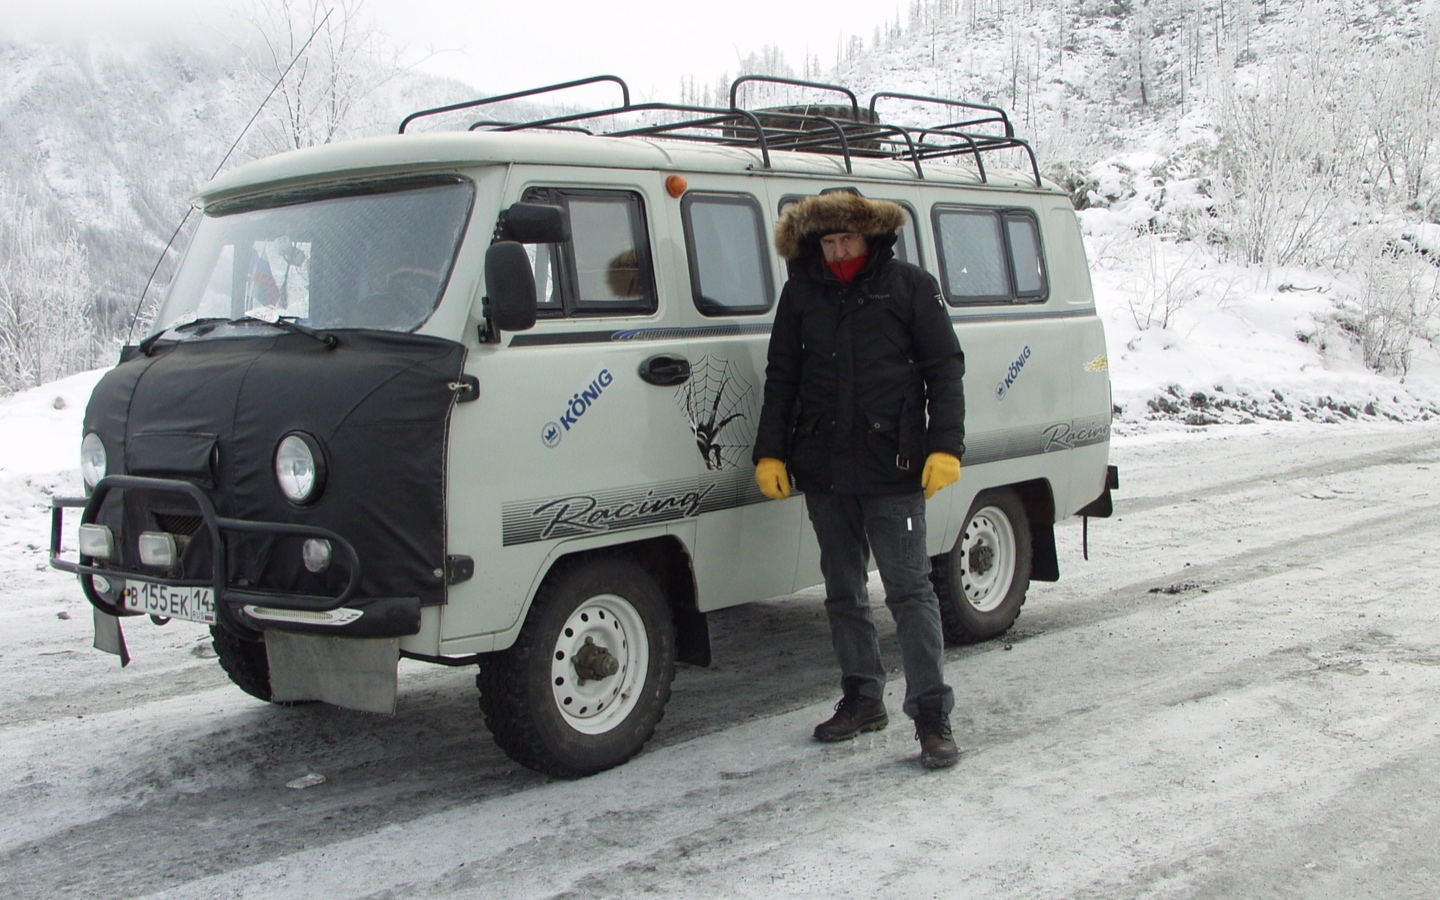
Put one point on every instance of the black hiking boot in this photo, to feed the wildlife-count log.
(853, 714)
(937, 743)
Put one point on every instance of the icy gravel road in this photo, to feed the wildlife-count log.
(1238, 695)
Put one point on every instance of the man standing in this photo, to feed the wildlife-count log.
(862, 344)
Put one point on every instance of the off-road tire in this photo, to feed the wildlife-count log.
(981, 582)
(542, 713)
(246, 664)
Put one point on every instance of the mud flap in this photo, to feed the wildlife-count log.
(349, 672)
(109, 637)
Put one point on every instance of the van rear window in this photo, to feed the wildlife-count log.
(990, 256)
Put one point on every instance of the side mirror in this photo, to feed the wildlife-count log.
(509, 289)
(534, 223)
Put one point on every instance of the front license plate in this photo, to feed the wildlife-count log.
(196, 604)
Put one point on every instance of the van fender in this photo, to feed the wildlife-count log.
(665, 553)
(1039, 500)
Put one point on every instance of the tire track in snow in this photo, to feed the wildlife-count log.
(739, 808)
(1416, 452)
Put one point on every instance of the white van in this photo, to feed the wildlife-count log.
(489, 396)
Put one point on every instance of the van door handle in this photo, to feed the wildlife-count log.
(665, 370)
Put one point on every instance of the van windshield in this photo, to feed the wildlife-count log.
(376, 260)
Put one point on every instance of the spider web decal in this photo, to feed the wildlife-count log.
(720, 405)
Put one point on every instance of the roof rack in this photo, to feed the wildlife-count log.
(843, 129)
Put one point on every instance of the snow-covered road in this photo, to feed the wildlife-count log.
(1237, 695)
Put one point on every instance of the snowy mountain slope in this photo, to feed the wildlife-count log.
(1253, 256)
(110, 142)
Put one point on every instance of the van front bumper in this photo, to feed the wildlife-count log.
(242, 609)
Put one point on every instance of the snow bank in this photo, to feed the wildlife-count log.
(42, 426)
(1196, 341)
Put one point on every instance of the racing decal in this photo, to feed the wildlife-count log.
(581, 402)
(720, 405)
(584, 514)
(1100, 363)
(1069, 435)
(591, 513)
(1012, 373)
(994, 446)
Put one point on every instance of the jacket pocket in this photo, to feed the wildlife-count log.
(882, 441)
(896, 439)
(806, 443)
(912, 424)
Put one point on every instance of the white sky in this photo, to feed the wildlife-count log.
(505, 46)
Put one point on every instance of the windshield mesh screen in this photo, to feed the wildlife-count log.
(377, 260)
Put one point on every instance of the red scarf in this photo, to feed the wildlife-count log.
(847, 269)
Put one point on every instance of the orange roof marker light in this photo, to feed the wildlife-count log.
(676, 185)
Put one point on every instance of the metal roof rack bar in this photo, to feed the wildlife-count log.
(532, 92)
(934, 152)
(800, 138)
(795, 82)
(999, 116)
(806, 128)
(715, 117)
(482, 124)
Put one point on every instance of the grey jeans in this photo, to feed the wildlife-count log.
(849, 527)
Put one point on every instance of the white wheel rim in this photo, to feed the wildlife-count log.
(988, 559)
(594, 706)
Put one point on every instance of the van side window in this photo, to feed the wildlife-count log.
(907, 246)
(907, 241)
(990, 256)
(544, 261)
(605, 266)
(726, 243)
(1025, 255)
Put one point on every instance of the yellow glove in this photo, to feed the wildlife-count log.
(774, 481)
(941, 471)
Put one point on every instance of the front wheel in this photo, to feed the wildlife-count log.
(981, 583)
(247, 665)
(586, 682)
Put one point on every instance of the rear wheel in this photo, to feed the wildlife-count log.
(584, 685)
(981, 583)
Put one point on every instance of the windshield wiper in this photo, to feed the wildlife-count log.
(209, 324)
(272, 316)
(329, 340)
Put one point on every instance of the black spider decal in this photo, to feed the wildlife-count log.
(719, 405)
(707, 433)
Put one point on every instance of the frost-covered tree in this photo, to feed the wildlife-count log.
(47, 324)
(329, 59)
(1405, 123)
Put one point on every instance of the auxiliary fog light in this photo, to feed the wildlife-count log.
(316, 552)
(96, 541)
(102, 585)
(158, 549)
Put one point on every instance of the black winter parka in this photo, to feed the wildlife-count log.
(853, 371)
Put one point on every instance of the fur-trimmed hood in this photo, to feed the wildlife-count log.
(814, 217)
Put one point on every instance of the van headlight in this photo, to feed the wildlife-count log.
(92, 460)
(300, 468)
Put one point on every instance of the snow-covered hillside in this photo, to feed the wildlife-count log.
(108, 143)
(1316, 279)
(1257, 184)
